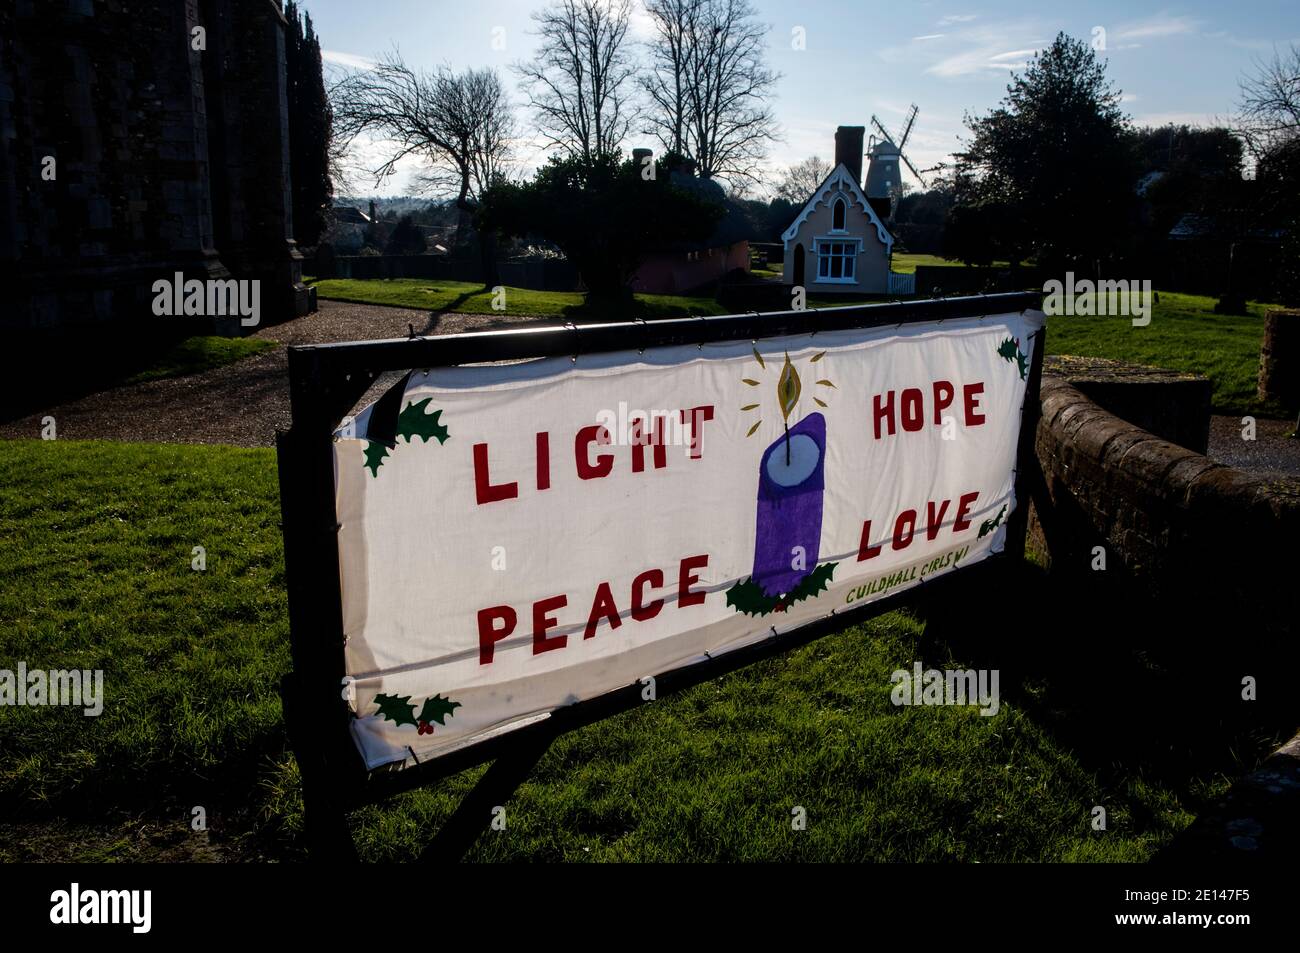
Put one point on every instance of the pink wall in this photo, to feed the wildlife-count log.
(676, 273)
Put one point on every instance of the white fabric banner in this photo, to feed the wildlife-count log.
(541, 533)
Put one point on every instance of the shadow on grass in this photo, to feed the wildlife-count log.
(1129, 685)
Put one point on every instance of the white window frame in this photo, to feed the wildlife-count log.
(840, 200)
(852, 257)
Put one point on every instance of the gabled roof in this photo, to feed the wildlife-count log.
(841, 180)
(349, 215)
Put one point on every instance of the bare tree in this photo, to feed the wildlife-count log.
(800, 180)
(460, 124)
(709, 85)
(666, 81)
(580, 82)
(1270, 102)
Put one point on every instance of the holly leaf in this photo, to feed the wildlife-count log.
(375, 453)
(812, 584)
(396, 708)
(748, 597)
(1023, 361)
(989, 526)
(415, 422)
(437, 708)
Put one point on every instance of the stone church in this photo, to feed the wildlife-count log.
(139, 140)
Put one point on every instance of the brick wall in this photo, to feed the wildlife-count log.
(1209, 541)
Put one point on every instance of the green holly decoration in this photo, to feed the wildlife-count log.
(411, 422)
(1009, 350)
(437, 708)
(399, 710)
(375, 453)
(414, 421)
(989, 526)
(396, 708)
(748, 597)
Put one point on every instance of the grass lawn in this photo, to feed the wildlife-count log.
(1184, 334)
(905, 262)
(97, 573)
(197, 354)
(472, 298)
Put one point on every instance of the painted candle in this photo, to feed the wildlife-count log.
(790, 507)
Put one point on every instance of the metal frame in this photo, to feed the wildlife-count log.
(326, 381)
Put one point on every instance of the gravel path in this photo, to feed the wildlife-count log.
(1273, 454)
(242, 403)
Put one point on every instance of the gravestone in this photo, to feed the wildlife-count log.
(1279, 358)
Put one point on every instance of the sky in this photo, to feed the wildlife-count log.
(1176, 62)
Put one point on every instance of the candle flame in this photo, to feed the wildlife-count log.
(788, 387)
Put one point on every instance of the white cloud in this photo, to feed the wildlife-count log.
(958, 18)
(928, 36)
(1160, 25)
(349, 60)
(984, 57)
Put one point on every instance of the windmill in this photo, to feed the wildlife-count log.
(884, 177)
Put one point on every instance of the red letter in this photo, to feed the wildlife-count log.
(963, 507)
(865, 549)
(483, 488)
(543, 461)
(686, 579)
(885, 410)
(643, 438)
(934, 521)
(912, 413)
(604, 461)
(488, 634)
(941, 403)
(910, 517)
(643, 611)
(972, 402)
(698, 415)
(542, 622)
(602, 608)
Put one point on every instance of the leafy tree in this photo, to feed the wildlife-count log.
(310, 127)
(605, 214)
(1055, 158)
(405, 238)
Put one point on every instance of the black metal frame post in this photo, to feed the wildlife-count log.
(326, 381)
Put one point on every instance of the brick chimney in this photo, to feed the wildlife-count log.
(848, 149)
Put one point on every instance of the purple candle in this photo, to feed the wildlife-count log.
(789, 518)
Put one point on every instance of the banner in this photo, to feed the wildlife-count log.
(515, 538)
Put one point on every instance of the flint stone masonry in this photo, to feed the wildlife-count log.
(1193, 532)
(168, 159)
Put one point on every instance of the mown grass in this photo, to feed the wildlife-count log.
(96, 573)
(472, 298)
(1185, 335)
(197, 354)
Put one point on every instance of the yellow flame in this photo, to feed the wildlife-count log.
(788, 388)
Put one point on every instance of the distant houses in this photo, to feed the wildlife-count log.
(682, 267)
